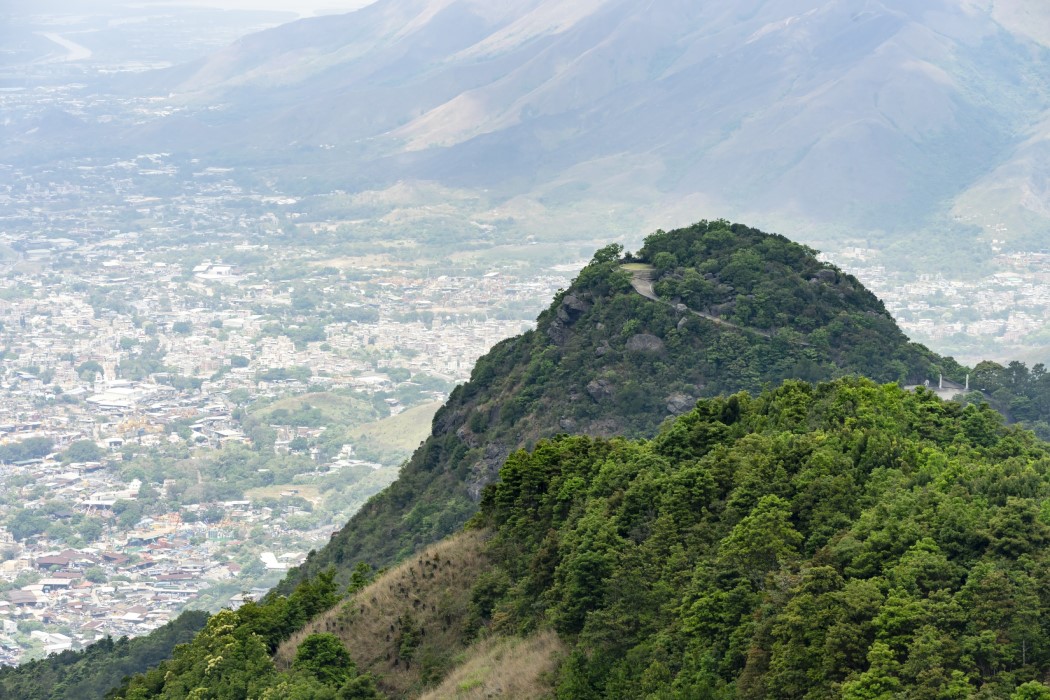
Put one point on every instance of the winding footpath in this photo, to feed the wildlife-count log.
(642, 281)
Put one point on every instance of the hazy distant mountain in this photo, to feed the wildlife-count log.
(865, 114)
(854, 112)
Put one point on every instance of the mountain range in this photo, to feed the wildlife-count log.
(866, 116)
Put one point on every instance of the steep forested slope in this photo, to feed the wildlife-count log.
(845, 540)
(605, 360)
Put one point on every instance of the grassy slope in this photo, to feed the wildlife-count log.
(430, 594)
(336, 409)
(405, 431)
(502, 667)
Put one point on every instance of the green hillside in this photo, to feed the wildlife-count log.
(845, 540)
(91, 673)
(604, 360)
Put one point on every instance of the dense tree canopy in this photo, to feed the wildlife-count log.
(848, 540)
(844, 540)
(30, 448)
(1022, 394)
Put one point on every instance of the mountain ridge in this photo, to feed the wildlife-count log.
(759, 100)
(874, 117)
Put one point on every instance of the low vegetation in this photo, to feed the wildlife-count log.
(504, 667)
(316, 410)
(403, 432)
(410, 625)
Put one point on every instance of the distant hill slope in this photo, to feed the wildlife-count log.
(870, 115)
(604, 360)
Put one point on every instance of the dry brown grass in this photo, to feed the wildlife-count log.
(430, 593)
(503, 667)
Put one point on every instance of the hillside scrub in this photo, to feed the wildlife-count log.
(504, 667)
(408, 627)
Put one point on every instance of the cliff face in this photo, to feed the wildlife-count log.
(735, 309)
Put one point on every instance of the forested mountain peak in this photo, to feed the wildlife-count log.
(846, 540)
(736, 309)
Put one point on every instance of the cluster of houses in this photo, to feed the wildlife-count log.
(133, 339)
(126, 584)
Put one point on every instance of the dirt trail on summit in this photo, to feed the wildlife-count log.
(642, 281)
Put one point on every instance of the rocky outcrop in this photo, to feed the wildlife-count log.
(468, 437)
(825, 276)
(679, 403)
(486, 469)
(599, 389)
(645, 343)
(569, 311)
